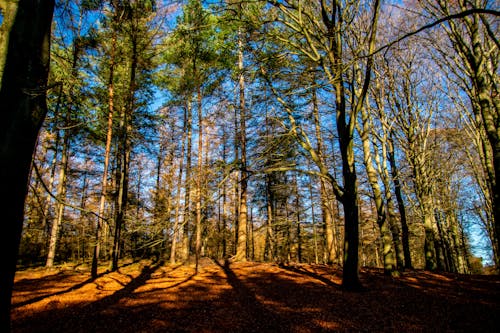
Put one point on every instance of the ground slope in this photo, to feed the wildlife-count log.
(251, 297)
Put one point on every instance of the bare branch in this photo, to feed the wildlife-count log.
(450, 17)
(45, 187)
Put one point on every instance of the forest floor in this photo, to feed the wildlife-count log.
(250, 297)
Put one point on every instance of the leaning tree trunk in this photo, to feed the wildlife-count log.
(25, 54)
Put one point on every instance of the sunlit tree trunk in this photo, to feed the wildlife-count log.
(176, 228)
(199, 181)
(236, 183)
(53, 165)
(313, 221)
(61, 195)
(378, 199)
(188, 180)
(241, 247)
(81, 238)
(298, 221)
(476, 45)
(107, 153)
(223, 212)
(325, 196)
(270, 247)
(62, 178)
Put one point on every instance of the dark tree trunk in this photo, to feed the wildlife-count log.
(405, 234)
(350, 277)
(22, 111)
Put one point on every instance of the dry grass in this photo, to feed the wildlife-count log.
(250, 297)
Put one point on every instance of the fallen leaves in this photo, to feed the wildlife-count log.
(250, 297)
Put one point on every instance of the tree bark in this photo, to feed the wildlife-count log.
(199, 181)
(22, 111)
(61, 194)
(241, 247)
(107, 153)
(124, 151)
(478, 55)
(188, 180)
(373, 179)
(405, 233)
(176, 229)
(325, 196)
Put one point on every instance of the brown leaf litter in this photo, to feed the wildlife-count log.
(251, 297)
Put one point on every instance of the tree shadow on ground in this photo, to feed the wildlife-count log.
(266, 319)
(60, 280)
(45, 295)
(254, 297)
(307, 272)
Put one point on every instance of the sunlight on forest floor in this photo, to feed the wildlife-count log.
(249, 297)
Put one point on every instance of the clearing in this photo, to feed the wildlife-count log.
(250, 297)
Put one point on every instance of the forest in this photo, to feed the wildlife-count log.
(340, 133)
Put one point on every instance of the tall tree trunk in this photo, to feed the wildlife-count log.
(349, 199)
(298, 221)
(84, 215)
(121, 200)
(224, 199)
(477, 53)
(124, 156)
(158, 199)
(53, 165)
(107, 153)
(373, 179)
(199, 181)
(61, 188)
(188, 180)
(124, 163)
(270, 246)
(313, 220)
(346, 123)
(25, 55)
(405, 233)
(176, 231)
(350, 278)
(381, 159)
(61, 194)
(429, 242)
(241, 247)
(325, 196)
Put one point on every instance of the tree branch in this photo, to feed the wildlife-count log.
(37, 172)
(433, 24)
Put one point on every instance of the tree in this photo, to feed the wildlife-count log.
(412, 95)
(25, 48)
(242, 238)
(320, 33)
(474, 38)
(379, 199)
(67, 107)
